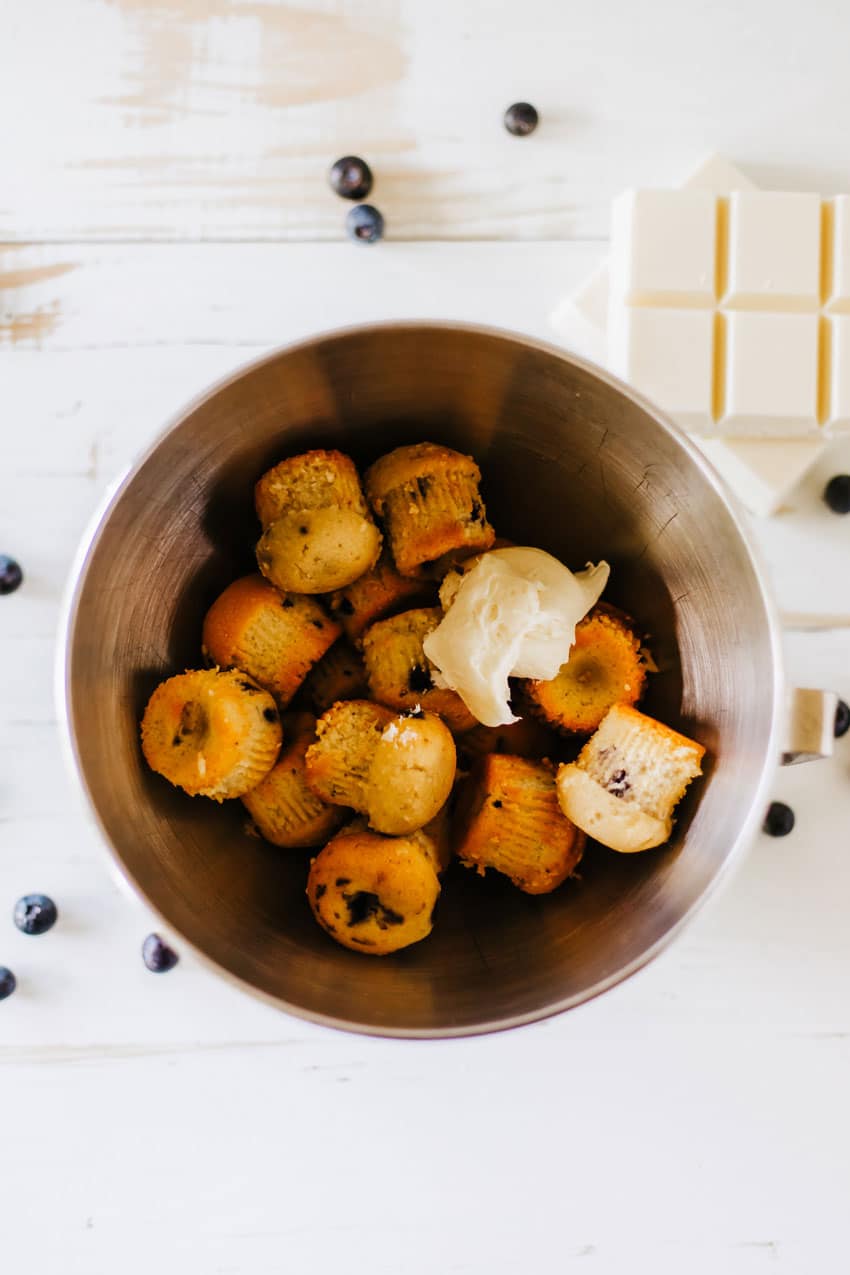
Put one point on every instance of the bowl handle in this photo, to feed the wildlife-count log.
(810, 726)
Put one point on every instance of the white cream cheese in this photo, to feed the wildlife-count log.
(513, 613)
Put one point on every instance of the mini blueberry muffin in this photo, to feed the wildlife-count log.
(396, 770)
(508, 819)
(401, 675)
(431, 506)
(339, 675)
(627, 780)
(435, 840)
(525, 738)
(377, 594)
(318, 534)
(373, 894)
(311, 480)
(282, 807)
(275, 638)
(211, 732)
(606, 666)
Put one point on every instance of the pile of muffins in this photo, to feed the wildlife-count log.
(318, 707)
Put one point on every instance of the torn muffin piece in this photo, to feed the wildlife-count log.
(627, 780)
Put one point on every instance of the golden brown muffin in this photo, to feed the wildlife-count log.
(373, 894)
(283, 809)
(377, 594)
(605, 667)
(311, 480)
(525, 738)
(627, 780)
(396, 770)
(435, 840)
(275, 638)
(339, 675)
(400, 674)
(318, 534)
(211, 732)
(432, 509)
(508, 818)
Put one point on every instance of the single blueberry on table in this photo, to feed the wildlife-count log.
(779, 820)
(351, 177)
(842, 719)
(35, 914)
(157, 955)
(8, 982)
(836, 493)
(521, 119)
(11, 574)
(364, 224)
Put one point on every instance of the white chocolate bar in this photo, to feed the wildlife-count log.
(768, 382)
(663, 248)
(684, 379)
(762, 471)
(725, 311)
(837, 257)
(838, 329)
(774, 251)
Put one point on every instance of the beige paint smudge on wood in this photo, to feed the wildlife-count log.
(25, 277)
(302, 57)
(33, 326)
(20, 319)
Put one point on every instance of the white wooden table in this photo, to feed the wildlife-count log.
(162, 169)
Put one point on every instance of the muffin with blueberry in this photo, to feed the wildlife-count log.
(508, 819)
(606, 666)
(628, 779)
(339, 675)
(283, 808)
(212, 732)
(401, 675)
(429, 500)
(396, 770)
(378, 593)
(371, 893)
(274, 637)
(318, 533)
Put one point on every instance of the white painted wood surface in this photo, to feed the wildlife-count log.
(694, 1120)
(194, 119)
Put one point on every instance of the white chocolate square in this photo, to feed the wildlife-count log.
(771, 374)
(839, 374)
(762, 472)
(774, 247)
(668, 355)
(664, 248)
(838, 281)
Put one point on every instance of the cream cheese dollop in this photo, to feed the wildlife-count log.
(513, 613)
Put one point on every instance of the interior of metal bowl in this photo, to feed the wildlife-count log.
(571, 463)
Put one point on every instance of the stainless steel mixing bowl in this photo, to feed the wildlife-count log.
(573, 462)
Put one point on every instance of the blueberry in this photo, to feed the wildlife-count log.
(836, 493)
(35, 914)
(779, 819)
(364, 224)
(351, 177)
(158, 956)
(521, 119)
(8, 982)
(842, 719)
(11, 574)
